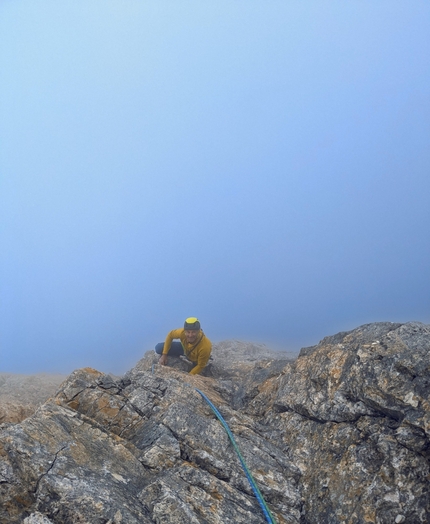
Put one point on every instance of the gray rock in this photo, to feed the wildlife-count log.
(37, 518)
(353, 412)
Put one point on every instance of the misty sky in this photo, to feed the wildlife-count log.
(264, 166)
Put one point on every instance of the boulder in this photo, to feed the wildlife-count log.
(353, 413)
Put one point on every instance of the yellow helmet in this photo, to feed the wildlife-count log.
(192, 323)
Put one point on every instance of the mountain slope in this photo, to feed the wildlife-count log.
(340, 434)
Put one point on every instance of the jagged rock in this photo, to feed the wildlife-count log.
(239, 368)
(354, 412)
(338, 435)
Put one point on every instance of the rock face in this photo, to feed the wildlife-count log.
(340, 434)
(21, 395)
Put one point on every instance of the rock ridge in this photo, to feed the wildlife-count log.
(340, 434)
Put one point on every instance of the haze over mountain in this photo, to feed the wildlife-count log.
(263, 166)
(21, 395)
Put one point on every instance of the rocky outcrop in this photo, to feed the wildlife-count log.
(338, 435)
(21, 395)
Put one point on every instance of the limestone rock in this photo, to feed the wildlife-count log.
(338, 435)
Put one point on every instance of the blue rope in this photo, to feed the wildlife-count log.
(269, 517)
(259, 496)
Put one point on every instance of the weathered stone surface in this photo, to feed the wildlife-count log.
(338, 435)
(354, 413)
(37, 518)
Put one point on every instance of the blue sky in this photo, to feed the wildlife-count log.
(264, 166)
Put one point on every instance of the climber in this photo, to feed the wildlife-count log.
(193, 343)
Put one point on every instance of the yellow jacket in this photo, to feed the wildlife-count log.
(199, 352)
